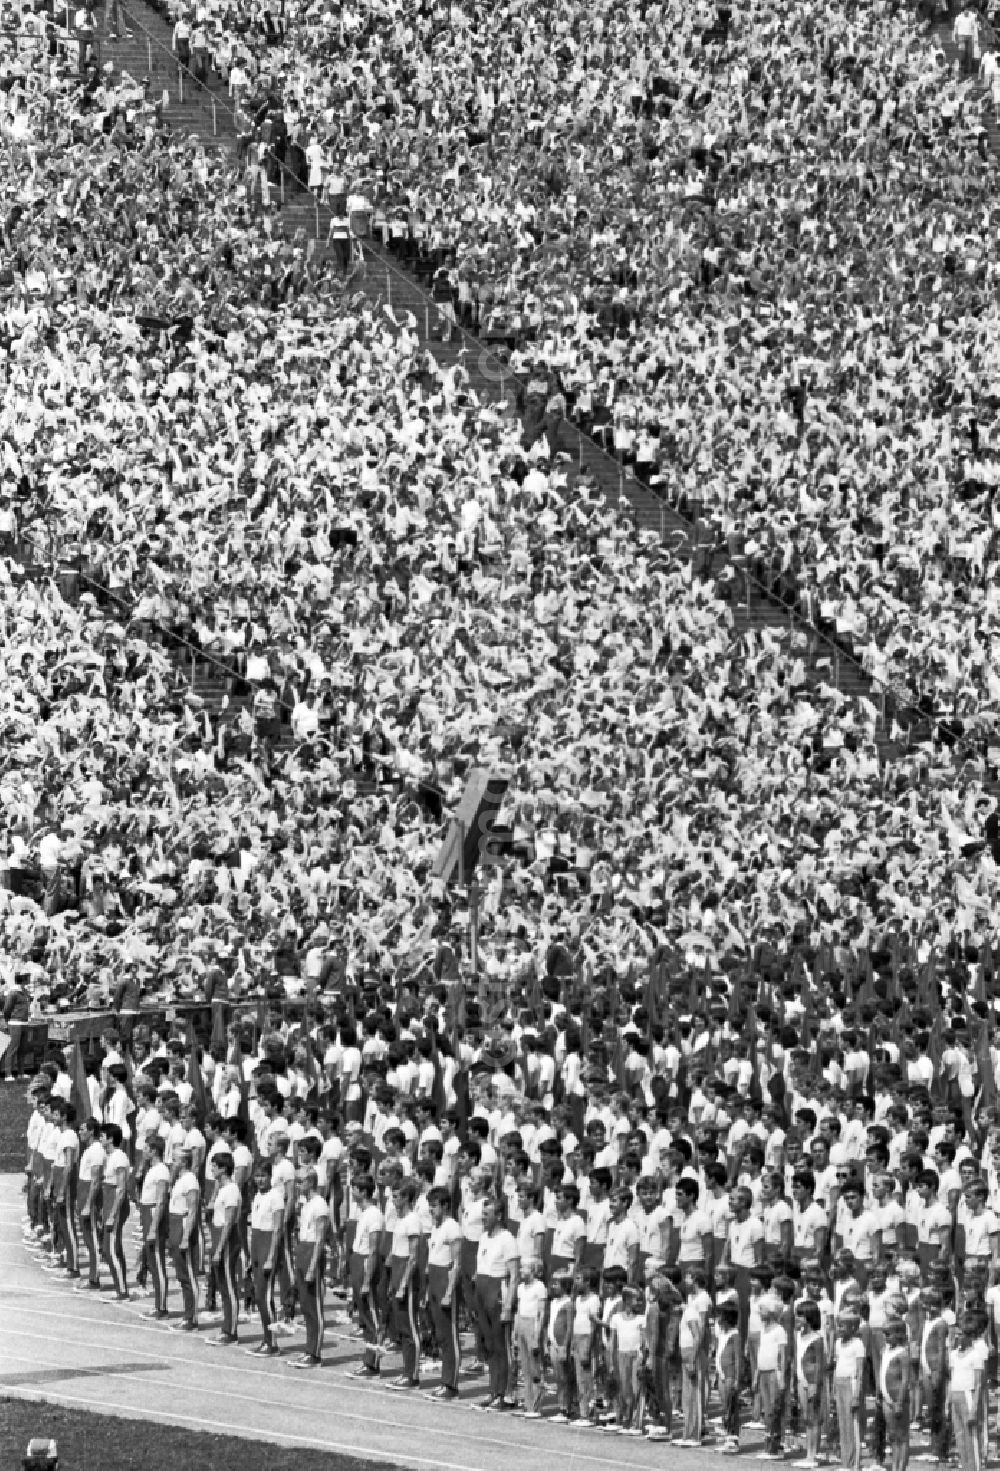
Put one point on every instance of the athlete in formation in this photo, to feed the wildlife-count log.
(822, 1268)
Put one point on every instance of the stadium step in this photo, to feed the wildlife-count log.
(384, 279)
(206, 112)
(145, 51)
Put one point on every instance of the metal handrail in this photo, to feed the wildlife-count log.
(130, 617)
(383, 763)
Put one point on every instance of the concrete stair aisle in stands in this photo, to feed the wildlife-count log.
(384, 281)
(212, 682)
(145, 50)
(943, 33)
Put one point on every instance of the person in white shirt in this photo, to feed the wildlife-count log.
(176, 1082)
(66, 1247)
(118, 1107)
(283, 1174)
(965, 34)
(849, 1356)
(474, 1186)
(112, 1055)
(148, 1119)
(448, 1128)
(226, 1091)
(331, 1170)
(569, 1231)
(153, 1198)
(695, 1243)
(950, 1180)
(51, 846)
(36, 1129)
(887, 1210)
(856, 1230)
(744, 1249)
(267, 1232)
(622, 1249)
(310, 1266)
(968, 1356)
(174, 1132)
(775, 1212)
(934, 1222)
(654, 1223)
(405, 1287)
(350, 1074)
(90, 1179)
(364, 1267)
(62, 1084)
(194, 1139)
(114, 1207)
(315, 161)
(233, 1136)
(978, 1235)
(716, 1204)
(598, 1217)
(532, 1305)
(225, 1227)
(183, 1237)
(810, 1222)
(444, 1259)
(181, 39)
(824, 1172)
(496, 1287)
(530, 1226)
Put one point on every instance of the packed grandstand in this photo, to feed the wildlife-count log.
(750, 251)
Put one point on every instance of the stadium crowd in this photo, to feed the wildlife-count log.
(728, 955)
(747, 251)
(393, 569)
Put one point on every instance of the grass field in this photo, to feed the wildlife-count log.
(14, 1114)
(88, 1442)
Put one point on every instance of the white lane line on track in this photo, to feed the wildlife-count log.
(227, 1427)
(447, 1433)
